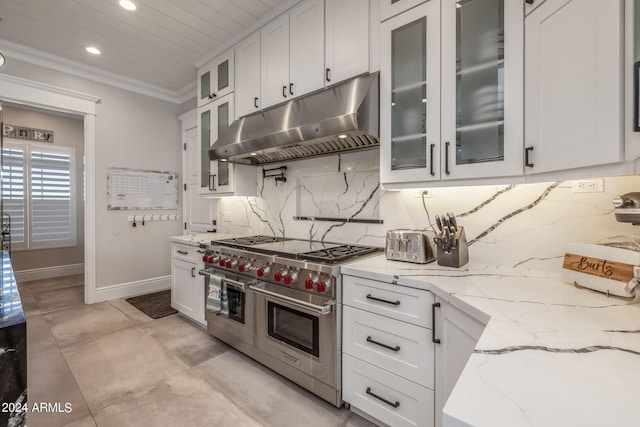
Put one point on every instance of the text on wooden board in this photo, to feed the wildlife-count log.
(607, 269)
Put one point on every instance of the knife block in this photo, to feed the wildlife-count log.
(457, 256)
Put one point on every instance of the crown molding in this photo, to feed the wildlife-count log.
(249, 30)
(33, 56)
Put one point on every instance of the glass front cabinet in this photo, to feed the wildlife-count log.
(215, 176)
(216, 78)
(451, 92)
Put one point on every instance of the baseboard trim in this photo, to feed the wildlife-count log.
(126, 290)
(49, 272)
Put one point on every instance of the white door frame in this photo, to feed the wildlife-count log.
(27, 92)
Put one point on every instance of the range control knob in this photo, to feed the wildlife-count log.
(244, 267)
(308, 284)
(278, 276)
(322, 287)
(231, 263)
(290, 278)
(262, 271)
(222, 262)
(207, 258)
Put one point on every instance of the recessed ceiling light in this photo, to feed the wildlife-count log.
(93, 50)
(128, 4)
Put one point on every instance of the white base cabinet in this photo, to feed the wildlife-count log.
(403, 350)
(458, 334)
(187, 286)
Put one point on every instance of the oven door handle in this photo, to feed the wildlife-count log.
(235, 283)
(319, 309)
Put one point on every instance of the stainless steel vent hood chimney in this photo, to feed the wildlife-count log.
(340, 118)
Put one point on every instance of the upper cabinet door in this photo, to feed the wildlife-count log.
(410, 96)
(274, 64)
(573, 87)
(306, 48)
(212, 119)
(346, 39)
(482, 88)
(216, 78)
(389, 8)
(248, 75)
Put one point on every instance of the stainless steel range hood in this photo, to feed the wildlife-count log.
(337, 119)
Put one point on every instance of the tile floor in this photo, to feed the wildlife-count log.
(108, 364)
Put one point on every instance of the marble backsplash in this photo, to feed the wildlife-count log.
(526, 225)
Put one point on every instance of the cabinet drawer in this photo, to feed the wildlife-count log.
(400, 348)
(398, 302)
(186, 252)
(405, 403)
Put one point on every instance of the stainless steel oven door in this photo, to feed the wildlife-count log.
(238, 320)
(298, 329)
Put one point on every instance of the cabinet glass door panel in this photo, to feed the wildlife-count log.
(205, 144)
(479, 81)
(408, 96)
(205, 86)
(222, 177)
(223, 75)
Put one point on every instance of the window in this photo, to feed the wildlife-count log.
(38, 185)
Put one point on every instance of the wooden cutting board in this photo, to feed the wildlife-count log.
(602, 268)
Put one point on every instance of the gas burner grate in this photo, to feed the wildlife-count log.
(337, 253)
(241, 242)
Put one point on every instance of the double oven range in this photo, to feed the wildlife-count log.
(282, 305)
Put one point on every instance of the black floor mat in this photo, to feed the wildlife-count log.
(155, 305)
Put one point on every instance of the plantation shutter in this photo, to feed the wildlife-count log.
(52, 216)
(13, 192)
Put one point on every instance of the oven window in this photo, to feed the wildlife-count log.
(293, 327)
(236, 300)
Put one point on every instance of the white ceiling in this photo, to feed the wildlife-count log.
(158, 47)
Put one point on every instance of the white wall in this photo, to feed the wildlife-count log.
(133, 131)
(527, 225)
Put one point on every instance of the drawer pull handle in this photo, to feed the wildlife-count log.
(183, 252)
(433, 323)
(395, 404)
(383, 300)
(396, 348)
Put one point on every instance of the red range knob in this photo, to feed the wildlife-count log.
(243, 267)
(222, 262)
(322, 287)
(277, 277)
(260, 272)
(228, 264)
(205, 258)
(308, 284)
(288, 279)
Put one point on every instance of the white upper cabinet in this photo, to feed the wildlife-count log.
(346, 39)
(215, 78)
(482, 89)
(449, 73)
(573, 86)
(248, 75)
(389, 8)
(632, 80)
(292, 47)
(410, 96)
(274, 61)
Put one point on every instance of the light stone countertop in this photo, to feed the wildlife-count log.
(551, 354)
(201, 238)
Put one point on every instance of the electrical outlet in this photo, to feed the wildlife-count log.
(422, 192)
(588, 186)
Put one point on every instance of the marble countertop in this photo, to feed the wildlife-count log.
(10, 305)
(550, 355)
(201, 238)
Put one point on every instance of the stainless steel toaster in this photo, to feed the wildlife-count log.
(410, 245)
